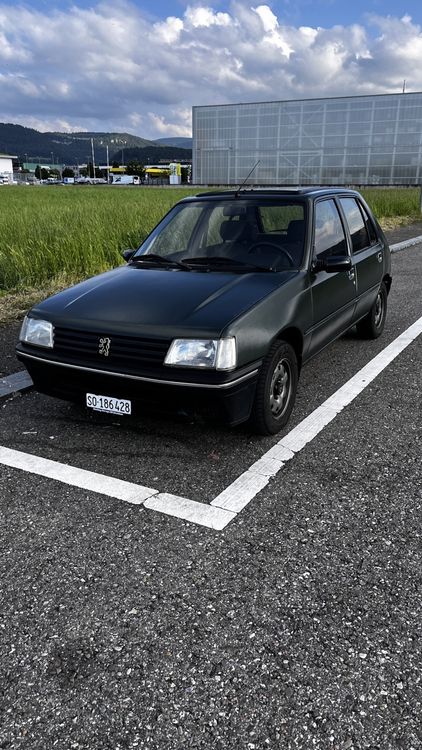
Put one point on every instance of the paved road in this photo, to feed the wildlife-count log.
(298, 626)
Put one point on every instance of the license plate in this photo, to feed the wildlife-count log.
(109, 404)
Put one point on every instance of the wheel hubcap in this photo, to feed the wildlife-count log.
(379, 309)
(280, 388)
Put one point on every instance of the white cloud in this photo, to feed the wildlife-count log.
(46, 125)
(269, 20)
(180, 126)
(274, 34)
(169, 30)
(198, 16)
(109, 67)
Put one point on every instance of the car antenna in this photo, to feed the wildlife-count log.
(246, 178)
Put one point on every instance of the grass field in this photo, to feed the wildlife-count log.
(68, 233)
(51, 236)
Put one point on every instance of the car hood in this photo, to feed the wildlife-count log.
(160, 301)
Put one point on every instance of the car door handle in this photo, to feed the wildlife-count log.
(379, 257)
(351, 274)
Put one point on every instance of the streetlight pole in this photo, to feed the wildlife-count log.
(108, 167)
(93, 157)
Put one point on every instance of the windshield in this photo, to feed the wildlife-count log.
(267, 234)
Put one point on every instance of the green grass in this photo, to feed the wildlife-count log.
(53, 236)
(68, 233)
(387, 203)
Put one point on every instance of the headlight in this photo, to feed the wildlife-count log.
(217, 354)
(37, 332)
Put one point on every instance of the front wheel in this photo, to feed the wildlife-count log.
(275, 390)
(372, 325)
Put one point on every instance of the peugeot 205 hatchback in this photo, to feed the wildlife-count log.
(223, 303)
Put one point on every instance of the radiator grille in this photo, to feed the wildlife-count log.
(127, 352)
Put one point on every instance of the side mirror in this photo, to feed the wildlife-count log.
(127, 254)
(333, 264)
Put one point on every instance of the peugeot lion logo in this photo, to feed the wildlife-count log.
(104, 346)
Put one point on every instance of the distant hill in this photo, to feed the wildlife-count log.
(179, 142)
(70, 148)
(154, 154)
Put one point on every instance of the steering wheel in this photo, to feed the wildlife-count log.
(266, 243)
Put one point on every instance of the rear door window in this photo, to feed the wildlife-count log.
(357, 227)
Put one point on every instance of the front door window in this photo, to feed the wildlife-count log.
(329, 233)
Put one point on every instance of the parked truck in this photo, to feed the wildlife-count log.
(124, 179)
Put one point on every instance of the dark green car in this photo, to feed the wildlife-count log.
(219, 308)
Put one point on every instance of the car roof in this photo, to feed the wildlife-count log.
(275, 192)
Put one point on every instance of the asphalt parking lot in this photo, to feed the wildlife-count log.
(296, 626)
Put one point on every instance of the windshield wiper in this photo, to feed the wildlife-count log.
(159, 260)
(219, 261)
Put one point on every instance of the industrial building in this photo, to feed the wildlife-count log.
(351, 140)
(6, 168)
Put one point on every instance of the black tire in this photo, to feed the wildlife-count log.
(372, 325)
(275, 390)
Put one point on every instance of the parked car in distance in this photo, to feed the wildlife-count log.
(221, 306)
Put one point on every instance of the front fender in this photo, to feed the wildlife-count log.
(289, 306)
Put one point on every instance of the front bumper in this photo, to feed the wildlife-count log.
(230, 394)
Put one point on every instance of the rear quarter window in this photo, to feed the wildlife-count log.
(370, 228)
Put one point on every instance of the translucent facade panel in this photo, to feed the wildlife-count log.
(289, 143)
(313, 142)
(348, 140)
(385, 114)
(336, 128)
(354, 141)
(355, 159)
(333, 160)
(384, 139)
(408, 139)
(360, 115)
(334, 141)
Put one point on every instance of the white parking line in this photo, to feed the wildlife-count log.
(19, 381)
(86, 480)
(190, 510)
(238, 494)
(225, 507)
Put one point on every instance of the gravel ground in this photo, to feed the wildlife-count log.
(8, 338)
(404, 233)
(297, 627)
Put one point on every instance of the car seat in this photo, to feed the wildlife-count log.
(237, 236)
(296, 231)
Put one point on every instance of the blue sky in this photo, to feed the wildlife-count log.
(139, 67)
(303, 12)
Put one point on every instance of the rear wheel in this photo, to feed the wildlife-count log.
(276, 390)
(372, 325)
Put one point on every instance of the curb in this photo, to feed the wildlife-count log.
(405, 244)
